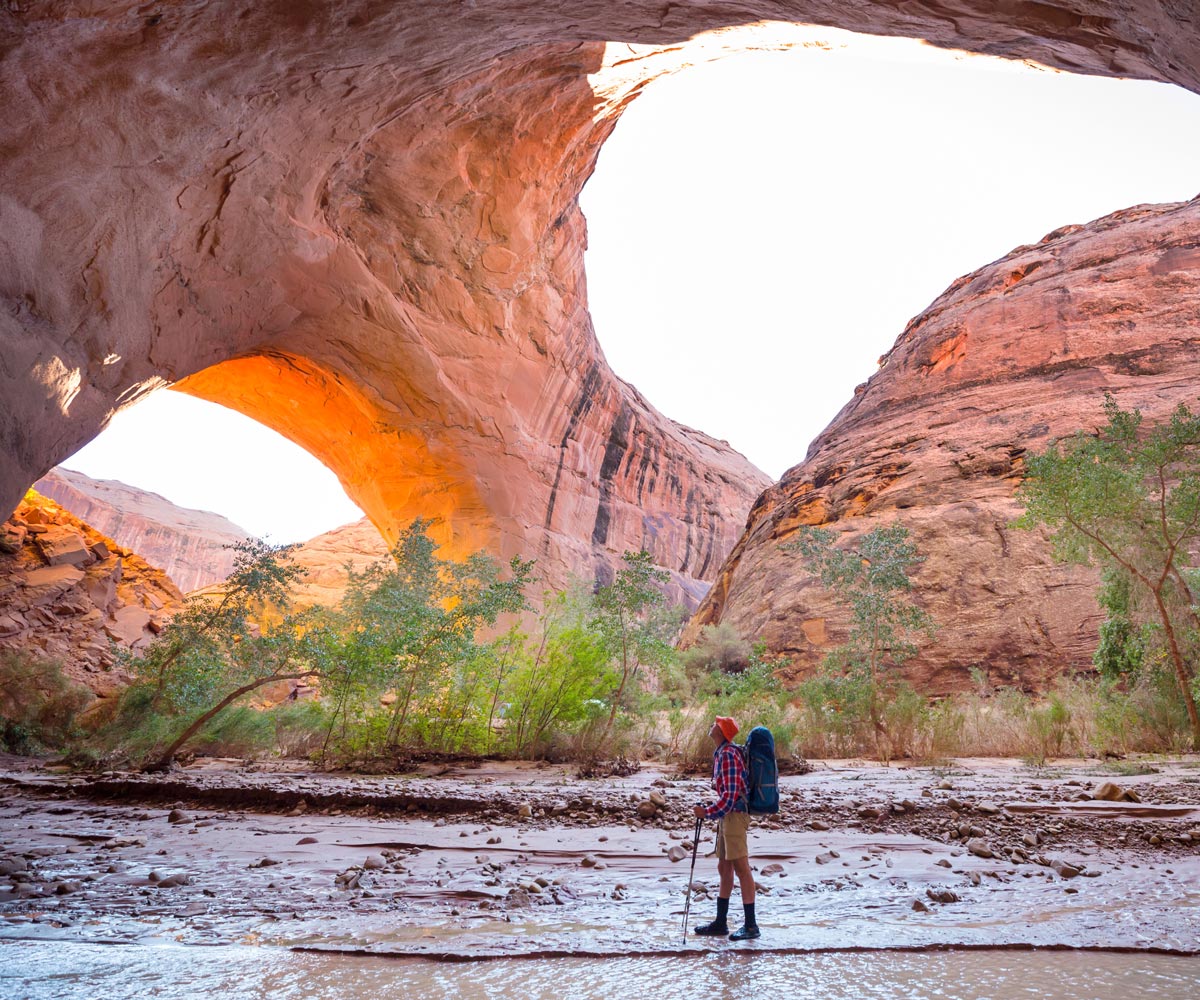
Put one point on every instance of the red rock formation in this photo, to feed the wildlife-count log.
(325, 559)
(1007, 359)
(69, 593)
(193, 547)
(358, 222)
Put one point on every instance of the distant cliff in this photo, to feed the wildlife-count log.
(190, 546)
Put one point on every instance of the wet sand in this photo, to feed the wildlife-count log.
(520, 860)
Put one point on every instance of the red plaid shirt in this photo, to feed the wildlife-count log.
(729, 779)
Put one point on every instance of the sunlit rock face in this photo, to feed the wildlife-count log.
(1007, 359)
(193, 547)
(73, 596)
(358, 223)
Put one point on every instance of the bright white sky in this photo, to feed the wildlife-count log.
(760, 231)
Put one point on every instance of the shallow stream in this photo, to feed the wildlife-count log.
(39, 970)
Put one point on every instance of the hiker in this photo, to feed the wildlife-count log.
(730, 781)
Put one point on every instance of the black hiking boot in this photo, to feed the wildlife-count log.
(718, 928)
(747, 933)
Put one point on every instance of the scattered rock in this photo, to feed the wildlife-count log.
(588, 862)
(677, 853)
(1111, 792)
(373, 862)
(942, 895)
(1064, 869)
(179, 816)
(173, 881)
(979, 847)
(264, 863)
(920, 906)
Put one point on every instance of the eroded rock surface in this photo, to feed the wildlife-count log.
(193, 547)
(1007, 359)
(358, 223)
(69, 593)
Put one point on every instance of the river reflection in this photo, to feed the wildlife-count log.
(47, 971)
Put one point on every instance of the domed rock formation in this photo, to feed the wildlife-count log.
(1007, 359)
(70, 594)
(193, 547)
(358, 223)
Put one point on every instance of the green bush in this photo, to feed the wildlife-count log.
(38, 704)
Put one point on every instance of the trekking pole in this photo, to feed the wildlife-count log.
(691, 875)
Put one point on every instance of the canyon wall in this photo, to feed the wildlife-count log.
(1009, 358)
(358, 223)
(193, 547)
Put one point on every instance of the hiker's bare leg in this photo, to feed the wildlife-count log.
(745, 879)
(725, 870)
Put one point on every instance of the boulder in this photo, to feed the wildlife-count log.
(62, 546)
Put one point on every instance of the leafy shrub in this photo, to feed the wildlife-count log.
(38, 704)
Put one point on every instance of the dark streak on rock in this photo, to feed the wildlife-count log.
(583, 403)
(614, 452)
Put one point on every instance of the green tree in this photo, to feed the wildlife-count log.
(1127, 498)
(559, 676)
(1121, 650)
(220, 646)
(635, 626)
(872, 578)
(408, 627)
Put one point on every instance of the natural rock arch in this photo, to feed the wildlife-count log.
(371, 207)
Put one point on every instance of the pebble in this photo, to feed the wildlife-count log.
(942, 895)
(677, 853)
(306, 840)
(178, 816)
(173, 881)
(920, 906)
(373, 862)
(524, 811)
(588, 862)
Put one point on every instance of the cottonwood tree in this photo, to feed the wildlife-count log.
(407, 625)
(871, 577)
(228, 642)
(1127, 498)
(635, 625)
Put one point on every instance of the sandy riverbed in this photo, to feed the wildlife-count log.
(444, 863)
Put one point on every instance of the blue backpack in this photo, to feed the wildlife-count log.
(762, 792)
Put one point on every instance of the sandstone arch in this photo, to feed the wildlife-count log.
(383, 195)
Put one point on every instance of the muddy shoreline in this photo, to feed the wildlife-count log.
(463, 862)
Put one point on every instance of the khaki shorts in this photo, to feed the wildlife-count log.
(731, 836)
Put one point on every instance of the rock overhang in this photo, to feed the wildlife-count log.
(358, 222)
